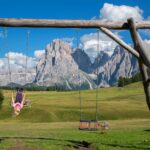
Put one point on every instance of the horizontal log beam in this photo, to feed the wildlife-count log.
(45, 23)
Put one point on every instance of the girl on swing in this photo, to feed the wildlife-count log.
(18, 102)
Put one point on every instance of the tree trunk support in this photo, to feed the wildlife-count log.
(143, 68)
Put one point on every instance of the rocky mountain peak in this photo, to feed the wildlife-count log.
(63, 65)
(59, 67)
(58, 44)
(58, 49)
(100, 60)
(121, 63)
(118, 50)
(82, 59)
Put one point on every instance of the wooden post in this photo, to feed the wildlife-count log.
(143, 68)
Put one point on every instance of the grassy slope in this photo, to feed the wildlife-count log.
(123, 135)
(126, 107)
(114, 103)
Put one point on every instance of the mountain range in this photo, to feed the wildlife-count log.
(72, 68)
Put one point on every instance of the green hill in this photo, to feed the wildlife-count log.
(113, 103)
(51, 123)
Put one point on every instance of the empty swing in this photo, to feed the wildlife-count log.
(88, 124)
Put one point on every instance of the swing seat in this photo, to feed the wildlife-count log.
(88, 125)
(26, 103)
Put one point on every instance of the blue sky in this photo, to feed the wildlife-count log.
(62, 9)
(56, 9)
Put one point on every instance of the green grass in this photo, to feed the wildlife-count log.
(124, 135)
(51, 122)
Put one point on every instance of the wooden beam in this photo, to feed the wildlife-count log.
(45, 23)
(120, 42)
(142, 67)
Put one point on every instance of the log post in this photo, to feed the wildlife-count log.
(143, 69)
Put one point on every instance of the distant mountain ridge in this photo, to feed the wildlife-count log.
(121, 63)
(72, 68)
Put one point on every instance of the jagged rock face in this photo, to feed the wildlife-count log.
(121, 63)
(57, 66)
(100, 60)
(83, 60)
(60, 64)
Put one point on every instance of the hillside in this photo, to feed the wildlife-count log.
(51, 123)
(114, 103)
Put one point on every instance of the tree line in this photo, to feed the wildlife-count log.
(36, 88)
(122, 81)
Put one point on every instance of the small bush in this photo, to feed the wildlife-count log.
(1, 99)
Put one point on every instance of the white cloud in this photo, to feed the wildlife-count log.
(3, 64)
(109, 12)
(94, 18)
(39, 53)
(147, 41)
(17, 62)
(120, 13)
(90, 44)
(16, 58)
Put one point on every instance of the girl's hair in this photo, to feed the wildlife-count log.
(19, 89)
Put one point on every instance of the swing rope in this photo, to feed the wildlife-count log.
(26, 59)
(9, 58)
(95, 121)
(79, 77)
(8, 55)
(97, 72)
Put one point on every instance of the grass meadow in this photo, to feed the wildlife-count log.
(51, 122)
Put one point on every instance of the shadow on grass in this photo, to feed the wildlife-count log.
(73, 143)
(126, 146)
(148, 130)
(78, 144)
